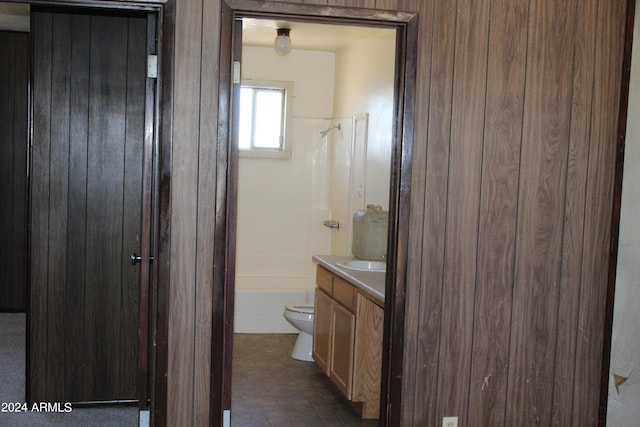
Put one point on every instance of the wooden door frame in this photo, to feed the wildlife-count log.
(406, 25)
(615, 216)
(164, 11)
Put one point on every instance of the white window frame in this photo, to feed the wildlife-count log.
(285, 151)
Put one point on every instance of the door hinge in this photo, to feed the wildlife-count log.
(152, 66)
(236, 72)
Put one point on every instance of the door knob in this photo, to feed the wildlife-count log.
(136, 259)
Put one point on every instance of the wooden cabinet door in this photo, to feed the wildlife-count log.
(322, 330)
(367, 359)
(341, 360)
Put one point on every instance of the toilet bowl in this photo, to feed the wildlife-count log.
(301, 317)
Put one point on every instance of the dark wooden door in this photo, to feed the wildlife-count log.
(88, 163)
(14, 97)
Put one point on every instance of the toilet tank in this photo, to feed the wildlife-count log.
(370, 233)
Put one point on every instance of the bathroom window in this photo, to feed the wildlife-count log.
(264, 119)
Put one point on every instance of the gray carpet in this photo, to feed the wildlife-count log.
(12, 388)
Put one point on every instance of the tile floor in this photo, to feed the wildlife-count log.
(271, 389)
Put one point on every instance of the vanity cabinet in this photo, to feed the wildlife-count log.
(347, 340)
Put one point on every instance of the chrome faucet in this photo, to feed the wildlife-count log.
(331, 223)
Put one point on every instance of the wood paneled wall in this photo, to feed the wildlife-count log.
(513, 165)
(514, 161)
(14, 102)
(193, 211)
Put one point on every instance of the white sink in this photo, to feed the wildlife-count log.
(363, 265)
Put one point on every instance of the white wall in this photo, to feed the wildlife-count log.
(282, 203)
(364, 83)
(624, 400)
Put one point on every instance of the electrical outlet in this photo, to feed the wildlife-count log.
(450, 422)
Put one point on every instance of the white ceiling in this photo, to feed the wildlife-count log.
(14, 16)
(308, 36)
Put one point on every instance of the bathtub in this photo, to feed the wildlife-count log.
(260, 302)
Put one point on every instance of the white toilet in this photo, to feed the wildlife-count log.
(301, 317)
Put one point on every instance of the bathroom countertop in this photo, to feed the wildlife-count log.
(371, 282)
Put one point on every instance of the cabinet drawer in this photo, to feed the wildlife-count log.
(324, 280)
(345, 293)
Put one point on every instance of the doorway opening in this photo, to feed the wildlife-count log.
(57, 309)
(334, 160)
(396, 181)
(93, 147)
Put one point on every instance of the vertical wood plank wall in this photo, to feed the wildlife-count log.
(515, 135)
(182, 305)
(193, 182)
(14, 103)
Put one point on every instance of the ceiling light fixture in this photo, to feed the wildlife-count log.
(282, 43)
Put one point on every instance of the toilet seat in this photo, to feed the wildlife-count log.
(301, 308)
